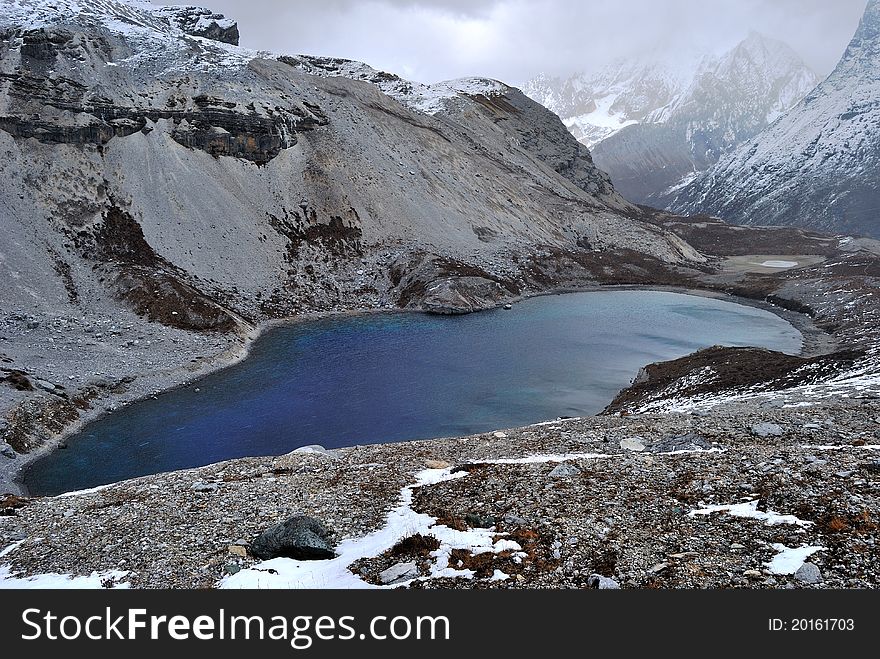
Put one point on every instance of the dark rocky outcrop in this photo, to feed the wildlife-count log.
(221, 128)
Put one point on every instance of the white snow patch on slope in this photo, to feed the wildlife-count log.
(788, 560)
(95, 581)
(749, 509)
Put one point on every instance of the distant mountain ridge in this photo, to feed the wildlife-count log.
(819, 165)
(654, 126)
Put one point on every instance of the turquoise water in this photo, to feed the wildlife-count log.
(395, 377)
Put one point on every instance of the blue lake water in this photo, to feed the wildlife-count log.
(394, 377)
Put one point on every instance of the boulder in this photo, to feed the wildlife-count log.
(300, 537)
(767, 430)
(398, 573)
(632, 444)
(809, 574)
(564, 470)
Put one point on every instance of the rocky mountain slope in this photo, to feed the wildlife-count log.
(675, 121)
(164, 192)
(819, 165)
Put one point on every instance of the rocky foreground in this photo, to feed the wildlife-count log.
(772, 492)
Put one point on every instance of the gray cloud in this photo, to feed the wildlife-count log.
(512, 40)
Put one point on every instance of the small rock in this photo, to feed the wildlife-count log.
(508, 307)
(500, 435)
(736, 546)
(809, 574)
(598, 582)
(753, 574)
(237, 550)
(45, 385)
(514, 520)
(564, 470)
(300, 537)
(205, 487)
(233, 568)
(767, 430)
(660, 567)
(398, 573)
(437, 464)
(632, 444)
(7, 451)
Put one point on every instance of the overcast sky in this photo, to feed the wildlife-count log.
(513, 40)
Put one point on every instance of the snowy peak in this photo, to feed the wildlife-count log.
(817, 166)
(863, 52)
(596, 106)
(653, 89)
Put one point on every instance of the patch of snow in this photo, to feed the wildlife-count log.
(95, 581)
(844, 447)
(77, 493)
(547, 458)
(749, 509)
(498, 575)
(781, 265)
(788, 560)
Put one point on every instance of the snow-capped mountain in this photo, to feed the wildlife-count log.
(819, 165)
(654, 126)
(626, 92)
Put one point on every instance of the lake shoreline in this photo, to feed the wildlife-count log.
(815, 342)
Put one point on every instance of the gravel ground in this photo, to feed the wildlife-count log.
(626, 516)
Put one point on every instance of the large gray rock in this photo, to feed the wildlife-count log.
(809, 574)
(632, 444)
(300, 537)
(399, 573)
(564, 470)
(767, 430)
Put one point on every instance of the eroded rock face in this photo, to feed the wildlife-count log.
(58, 110)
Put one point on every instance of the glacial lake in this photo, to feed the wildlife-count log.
(404, 376)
